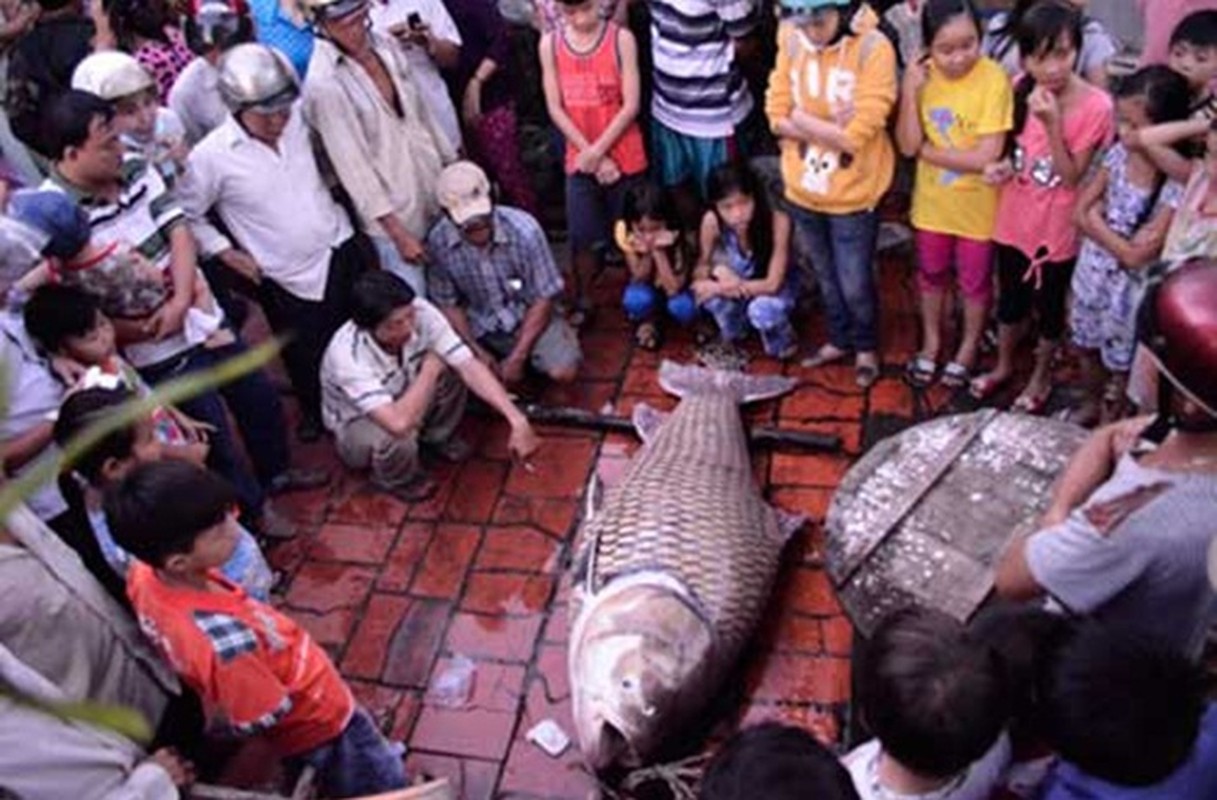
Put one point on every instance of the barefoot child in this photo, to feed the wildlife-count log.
(955, 110)
(1060, 122)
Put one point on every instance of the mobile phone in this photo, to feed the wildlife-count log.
(414, 20)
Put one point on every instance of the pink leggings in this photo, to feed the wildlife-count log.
(972, 259)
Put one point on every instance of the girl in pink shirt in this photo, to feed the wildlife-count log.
(1060, 122)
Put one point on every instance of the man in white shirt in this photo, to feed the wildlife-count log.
(432, 42)
(388, 385)
(259, 173)
(215, 26)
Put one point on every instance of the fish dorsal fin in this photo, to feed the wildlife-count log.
(647, 421)
(684, 379)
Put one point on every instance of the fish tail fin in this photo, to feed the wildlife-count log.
(684, 379)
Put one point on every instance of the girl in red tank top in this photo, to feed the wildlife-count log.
(590, 71)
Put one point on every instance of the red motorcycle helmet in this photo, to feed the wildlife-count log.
(1178, 324)
(215, 24)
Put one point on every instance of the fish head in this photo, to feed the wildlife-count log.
(635, 663)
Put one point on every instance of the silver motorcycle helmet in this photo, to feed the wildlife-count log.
(256, 76)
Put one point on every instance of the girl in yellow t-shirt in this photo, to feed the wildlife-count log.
(955, 109)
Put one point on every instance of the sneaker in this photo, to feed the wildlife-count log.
(298, 479)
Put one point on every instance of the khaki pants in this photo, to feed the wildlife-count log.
(393, 460)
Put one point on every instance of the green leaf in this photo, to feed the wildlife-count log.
(167, 394)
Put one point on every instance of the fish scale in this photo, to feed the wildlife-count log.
(693, 486)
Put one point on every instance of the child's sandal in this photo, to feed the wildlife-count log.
(920, 371)
(956, 375)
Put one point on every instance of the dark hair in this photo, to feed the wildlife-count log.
(54, 5)
(1167, 95)
(1123, 709)
(1026, 642)
(776, 762)
(1167, 98)
(649, 200)
(938, 13)
(376, 295)
(936, 699)
(160, 509)
(1199, 29)
(56, 312)
(737, 177)
(1040, 27)
(130, 19)
(66, 119)
(1044, 22)
(82, 409)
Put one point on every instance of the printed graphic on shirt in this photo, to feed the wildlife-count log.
(838, 88)
(1042, 171)
(945, 121)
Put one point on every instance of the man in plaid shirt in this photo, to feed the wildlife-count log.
(493, 275)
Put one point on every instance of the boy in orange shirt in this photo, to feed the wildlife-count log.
(257, 671)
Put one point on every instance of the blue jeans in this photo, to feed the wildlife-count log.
(842, 250)
(768, 314)
(642, 300)
(255, 406)
(359, 762)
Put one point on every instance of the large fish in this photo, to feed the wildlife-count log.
(673, 572)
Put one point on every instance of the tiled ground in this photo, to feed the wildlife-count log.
(397, 591)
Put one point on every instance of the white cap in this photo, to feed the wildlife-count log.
(111, 75)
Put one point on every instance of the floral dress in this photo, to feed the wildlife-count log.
(1105, 295)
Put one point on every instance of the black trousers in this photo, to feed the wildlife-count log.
(309, 324)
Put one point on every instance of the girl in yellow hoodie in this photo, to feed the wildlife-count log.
(830, 96)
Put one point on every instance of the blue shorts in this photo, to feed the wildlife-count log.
(360, 761)
(681, 158)
(591, 209)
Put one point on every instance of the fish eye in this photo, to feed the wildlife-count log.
(627, 683)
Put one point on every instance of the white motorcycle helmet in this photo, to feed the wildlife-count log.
(111, 75)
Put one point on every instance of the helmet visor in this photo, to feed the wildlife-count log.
(338, 10)
(276, 103)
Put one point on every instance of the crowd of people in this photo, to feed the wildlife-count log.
(355, 167)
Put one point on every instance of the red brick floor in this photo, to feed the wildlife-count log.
(395, 592)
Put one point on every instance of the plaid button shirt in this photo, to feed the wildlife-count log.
(496, 284)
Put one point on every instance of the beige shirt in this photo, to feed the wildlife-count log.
(388, 162)
(58, 620)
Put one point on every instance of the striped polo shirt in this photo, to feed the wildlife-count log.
(699, 90)
(140, 218)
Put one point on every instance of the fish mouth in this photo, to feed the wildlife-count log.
(607, 747)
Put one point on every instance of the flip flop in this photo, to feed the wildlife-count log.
(827, 354)
(920, 371)
(956, 375)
